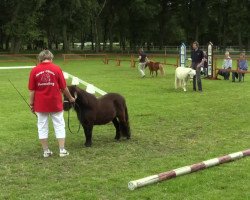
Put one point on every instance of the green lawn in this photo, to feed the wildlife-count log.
(170, 129)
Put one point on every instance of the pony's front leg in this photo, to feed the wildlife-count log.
(184, 84)
(88, 135)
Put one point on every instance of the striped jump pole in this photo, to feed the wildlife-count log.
(187, 169)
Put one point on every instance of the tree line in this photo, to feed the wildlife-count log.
(38, 24)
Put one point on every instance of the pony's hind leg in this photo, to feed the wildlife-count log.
(88, 135)
(125, 130)
(117, 128)
(124, 124)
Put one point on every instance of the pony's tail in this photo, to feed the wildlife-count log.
(126, 114)
(125, 128)
(161, 69)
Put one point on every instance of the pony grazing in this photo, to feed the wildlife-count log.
(97, 111)
(182, 75)
(154, 67)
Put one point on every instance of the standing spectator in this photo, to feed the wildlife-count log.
(197, 62)
(142, 62)
(46, 85)
(227, 65)
(242, 66)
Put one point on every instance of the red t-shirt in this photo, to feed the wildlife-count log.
(47, 81)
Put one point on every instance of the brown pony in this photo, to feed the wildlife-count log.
(97, 111)
(154, 67)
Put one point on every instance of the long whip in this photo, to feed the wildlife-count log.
(20, 95)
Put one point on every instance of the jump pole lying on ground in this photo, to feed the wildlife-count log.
(187, 169)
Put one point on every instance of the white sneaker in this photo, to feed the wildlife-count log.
(64, 153)
(47, 154)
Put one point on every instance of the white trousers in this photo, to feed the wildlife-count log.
(43, 124)
(141, 68)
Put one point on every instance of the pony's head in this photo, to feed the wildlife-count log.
(82, 99)
(66, 103)
(149, 63)
(192, 73)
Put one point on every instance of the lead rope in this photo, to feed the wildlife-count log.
(69, 120)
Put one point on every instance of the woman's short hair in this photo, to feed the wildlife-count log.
(227, 53)
(243, 55)
(196, 43)
(45, 55)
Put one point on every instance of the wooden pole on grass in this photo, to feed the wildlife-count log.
(187, 169)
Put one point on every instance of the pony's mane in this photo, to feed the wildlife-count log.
(83, 92)
(85, 97)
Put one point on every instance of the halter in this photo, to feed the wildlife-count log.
(73, 105)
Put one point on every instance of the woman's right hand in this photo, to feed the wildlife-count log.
(72, 100)
(32, 108)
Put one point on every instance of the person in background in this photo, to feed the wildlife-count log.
(198, 60)
(46, 85)
(242, 66)
(227, 65)
(205, 65)
(142, 62)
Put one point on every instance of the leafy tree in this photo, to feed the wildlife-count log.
(96, 8)
(136, 23)
(239, 25)
(22, 25)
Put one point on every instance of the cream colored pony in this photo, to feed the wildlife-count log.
(182, 74)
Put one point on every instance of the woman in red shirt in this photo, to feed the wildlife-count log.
(46, 85)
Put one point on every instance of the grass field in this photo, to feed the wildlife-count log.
(170, 129)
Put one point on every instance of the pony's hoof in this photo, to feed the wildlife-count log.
(87, 145)
(117, 138)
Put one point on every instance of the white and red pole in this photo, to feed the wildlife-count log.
(187, 169)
